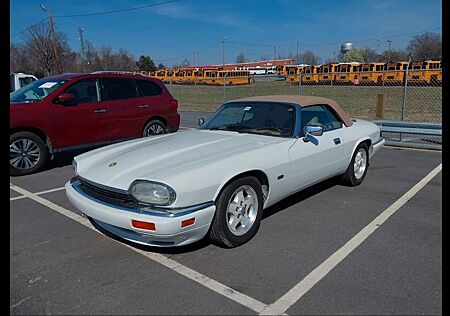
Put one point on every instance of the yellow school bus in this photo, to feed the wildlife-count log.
(233, 77)
(325, 73)
(309, 74)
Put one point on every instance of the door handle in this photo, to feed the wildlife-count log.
(100, 111)
(144, 106)
(337, 141)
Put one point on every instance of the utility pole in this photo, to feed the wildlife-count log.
(52, 38)
(223, 49)
(193, 58)
(296, 58)
(198, 59)
(274, 52)
(389, 56)
(83, 54)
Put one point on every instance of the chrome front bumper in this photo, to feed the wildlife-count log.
(376, 146)
(117, 220)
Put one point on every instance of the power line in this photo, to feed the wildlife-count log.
(24, 30)
(116, 11)
(188, 54)
(97, 13)
(334, 43)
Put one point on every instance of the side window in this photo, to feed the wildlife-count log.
(148, 88)
(120, 88)
(320, 115)
(84, 90)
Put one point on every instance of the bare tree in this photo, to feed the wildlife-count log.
(394, 56)
(240, 58)
(309, 58)
(426, 46)
(18, 61)
(48, 55)
(370, 56)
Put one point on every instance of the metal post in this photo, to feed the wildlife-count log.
(252, 81)
(223, 49)
(300, 81)
(404, 90)
(224, 91)
(389, 55)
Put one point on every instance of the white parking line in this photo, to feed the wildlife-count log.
(301, 288)
(217, 287)
(37, 193)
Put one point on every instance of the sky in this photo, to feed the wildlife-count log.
(171, 32)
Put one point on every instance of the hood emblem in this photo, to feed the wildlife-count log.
(112, 164)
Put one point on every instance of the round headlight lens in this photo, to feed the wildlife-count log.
(153, 193)
(74, 166)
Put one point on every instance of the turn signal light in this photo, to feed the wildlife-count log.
(188, 222)
(143, 225)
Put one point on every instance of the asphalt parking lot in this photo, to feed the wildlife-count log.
(329, 249)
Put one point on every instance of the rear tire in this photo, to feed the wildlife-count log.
(154, 127)
(357, 169)
(27, 153)
(238, 213)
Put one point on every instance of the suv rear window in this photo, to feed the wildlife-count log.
(120, 88)
(148, 88)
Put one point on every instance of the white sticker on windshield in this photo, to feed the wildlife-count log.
(247, 108)
(47, 85)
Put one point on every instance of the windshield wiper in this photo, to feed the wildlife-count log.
(233, 127)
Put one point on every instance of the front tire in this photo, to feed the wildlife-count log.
(357, 169)
(154, 127)
(238, 213)
(27, 153)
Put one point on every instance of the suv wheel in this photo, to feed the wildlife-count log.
(154, 127)
(27, 153)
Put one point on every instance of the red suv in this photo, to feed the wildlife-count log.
(71, 110)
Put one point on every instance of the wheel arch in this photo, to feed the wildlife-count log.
(366, 140)
(257, 173)
(41, 134)
(156, 117)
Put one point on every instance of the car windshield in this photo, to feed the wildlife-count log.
(266, 118)
(35, 91)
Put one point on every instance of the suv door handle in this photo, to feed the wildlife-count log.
(144, 106)
(100, 111)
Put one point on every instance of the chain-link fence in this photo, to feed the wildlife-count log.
(413, 95)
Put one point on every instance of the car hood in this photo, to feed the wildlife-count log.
(151, 158)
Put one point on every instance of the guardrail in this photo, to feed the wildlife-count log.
(411, 134)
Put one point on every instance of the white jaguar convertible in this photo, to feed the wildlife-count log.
(216, 180)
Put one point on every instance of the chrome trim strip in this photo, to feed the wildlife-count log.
(378, 141)
(160, 212)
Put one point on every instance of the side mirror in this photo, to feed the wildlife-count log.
(312, 130)
(66, 99)
(201, 121)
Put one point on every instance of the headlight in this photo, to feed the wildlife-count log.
(152, 193)
(74, 166)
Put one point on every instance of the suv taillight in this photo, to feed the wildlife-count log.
(174, 103)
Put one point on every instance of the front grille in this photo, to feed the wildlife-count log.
(107, 194)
